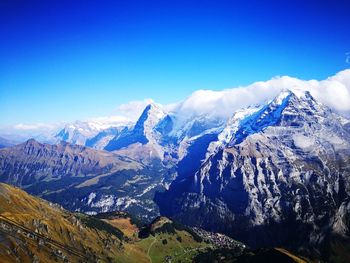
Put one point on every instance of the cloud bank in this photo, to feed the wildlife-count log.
(333, 92)
(133, 109)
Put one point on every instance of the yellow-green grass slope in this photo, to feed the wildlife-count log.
(34, 230)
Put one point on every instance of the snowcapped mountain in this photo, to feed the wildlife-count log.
(167, 137)
(100, 140)
(95, 133)
(142, 137)
(76, 133)
(280, 170)
(143, 130)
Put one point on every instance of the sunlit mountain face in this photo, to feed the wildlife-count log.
(175, 131)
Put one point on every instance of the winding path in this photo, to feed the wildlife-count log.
(149, 248)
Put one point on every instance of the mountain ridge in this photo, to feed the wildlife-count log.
(255, 179)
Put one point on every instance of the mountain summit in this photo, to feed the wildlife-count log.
(279, 170)
(142, 132)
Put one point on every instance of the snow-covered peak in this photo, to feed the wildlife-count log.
(143, 131)
(156, 110)
(271, 114)
(193, 126)
(152, 113)
(231, 128)
(293, 93)
(254, 119)
(149, 118)
(79, 131)
(103, 123)
(76, 132)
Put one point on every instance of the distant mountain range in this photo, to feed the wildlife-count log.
(91, 134)
(6, 143)
(275, 174)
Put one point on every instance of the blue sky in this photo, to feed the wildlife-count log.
(67, 60)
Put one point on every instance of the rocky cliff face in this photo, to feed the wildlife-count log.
(278, 174)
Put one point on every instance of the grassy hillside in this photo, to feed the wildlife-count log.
(34, 230)
(167, 241)
(127, 224)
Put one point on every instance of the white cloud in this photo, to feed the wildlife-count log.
(101, 123)
(334, 92)
(133, 109)
(21, 132)
(33, 127)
